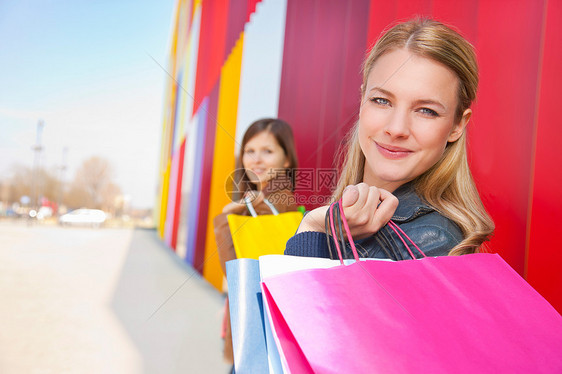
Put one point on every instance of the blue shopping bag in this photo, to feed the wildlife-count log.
(252, 339)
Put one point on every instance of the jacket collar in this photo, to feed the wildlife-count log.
(410, 205)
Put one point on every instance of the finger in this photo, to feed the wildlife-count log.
(357, 214)
(385, 194)
(386, 209)
(363, 189)
(234, 208)
(350, 196)
(314, 220)
(254, 196)
(373, 199)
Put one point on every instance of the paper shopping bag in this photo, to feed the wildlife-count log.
(469, 314)
(456, 314)
(246, 316)
(272, 265)
(261, 235)
(255, 350)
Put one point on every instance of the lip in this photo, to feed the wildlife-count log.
(392, 152)
(258, 171)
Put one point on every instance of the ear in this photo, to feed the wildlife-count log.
(286, 163)
(458, 128)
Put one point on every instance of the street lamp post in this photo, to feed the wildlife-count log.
(37, 148)
(61, 181)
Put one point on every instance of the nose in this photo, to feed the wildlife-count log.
(398, 125)
(257, 157)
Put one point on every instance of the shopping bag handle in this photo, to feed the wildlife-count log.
(253, 212)
(397, 230)
(346, 227)
(334, 235)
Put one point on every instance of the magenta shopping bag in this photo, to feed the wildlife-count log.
(466, 314)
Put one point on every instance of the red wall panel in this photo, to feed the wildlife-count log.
(328, 68)
(349, 95)
(406, 9)
(353, 53)
(211, 55)
(312, 97)
(295, 97)
(251, 8)
(462, 15)
(544, 255)
(236, 20)
(381, 15)
(501, 130)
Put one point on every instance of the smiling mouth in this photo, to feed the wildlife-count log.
(392, 152)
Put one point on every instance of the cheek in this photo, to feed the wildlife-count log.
(275, 160)
(245, 161)
(434, 143)
(372, 120)
(280, 161)
(363, 136)
(438, 137)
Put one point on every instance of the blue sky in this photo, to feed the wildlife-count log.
(86, 68)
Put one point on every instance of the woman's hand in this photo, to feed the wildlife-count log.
(239, 207)
(366, 210)
(314, 220)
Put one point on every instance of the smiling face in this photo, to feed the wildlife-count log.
(263, 158)
(407, 117)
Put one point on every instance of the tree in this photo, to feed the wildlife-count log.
(20, 183)
(93, 186)
(111, 199)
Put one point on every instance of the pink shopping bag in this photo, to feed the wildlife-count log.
(467, 314)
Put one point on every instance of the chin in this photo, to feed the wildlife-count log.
(392, 178)
(259, 183)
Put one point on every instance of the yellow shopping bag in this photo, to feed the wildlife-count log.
(255, 236)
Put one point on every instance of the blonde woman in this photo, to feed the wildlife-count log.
(406, 156)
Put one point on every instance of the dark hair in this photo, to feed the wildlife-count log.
(283, 133)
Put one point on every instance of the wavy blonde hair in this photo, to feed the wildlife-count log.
(448, 185)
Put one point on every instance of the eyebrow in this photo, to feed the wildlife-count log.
(382, 90)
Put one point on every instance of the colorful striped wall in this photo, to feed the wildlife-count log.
(234, 61)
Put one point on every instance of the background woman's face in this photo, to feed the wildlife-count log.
(263, 158)
(406, 118)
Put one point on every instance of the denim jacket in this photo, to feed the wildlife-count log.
(433, 233)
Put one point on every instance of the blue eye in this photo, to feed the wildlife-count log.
(429, 112)
(380, 101)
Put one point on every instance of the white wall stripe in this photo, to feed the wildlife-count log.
(262, 57)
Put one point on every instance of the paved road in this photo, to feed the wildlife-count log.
(78, 300)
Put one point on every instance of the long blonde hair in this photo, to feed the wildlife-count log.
(448, 185)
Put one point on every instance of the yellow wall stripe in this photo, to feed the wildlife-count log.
(223, 163)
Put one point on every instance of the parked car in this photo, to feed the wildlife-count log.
(43, 213)
(83, 216)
